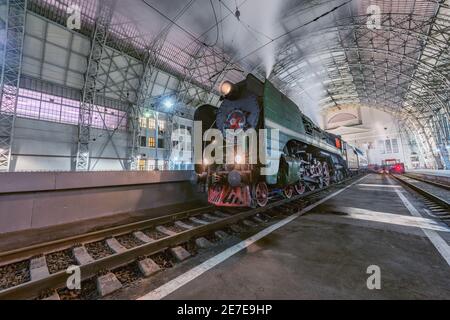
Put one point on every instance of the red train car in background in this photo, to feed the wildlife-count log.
(394, 166)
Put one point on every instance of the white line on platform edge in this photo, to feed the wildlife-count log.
(178, 282)
(378, 185)
(392, 218)
(440, 244)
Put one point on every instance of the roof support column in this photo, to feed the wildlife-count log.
(104, 16)
(144, 98)
(12, 30)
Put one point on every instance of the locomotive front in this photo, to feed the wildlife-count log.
(230, 163)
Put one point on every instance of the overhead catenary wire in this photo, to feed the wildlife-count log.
(291, 31)
(166, 29)
(213, 26)
(173, 21)
(272, 40)
(217, 25)
(246, 25)
(221, 26)
(195, 38)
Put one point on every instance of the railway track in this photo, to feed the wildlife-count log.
(434, 183)
(146, 247)
(432, 194)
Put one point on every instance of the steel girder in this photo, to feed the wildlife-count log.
(379, 89)
(13, 25)
(144, 97)
(405, 65)
(198, 80)
(416, 135)
(123, 89)
(369, 49)
(206, 69)
(99, 38)
(118, 76)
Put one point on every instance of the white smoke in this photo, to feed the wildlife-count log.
(309, 102)
(249, 36)
(258, 23)
(313, 79)
(266, 20)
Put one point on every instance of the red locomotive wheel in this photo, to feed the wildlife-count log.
(261, 194)
(300, 188)
(288, 192)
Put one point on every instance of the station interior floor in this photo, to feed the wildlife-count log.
(326, 254)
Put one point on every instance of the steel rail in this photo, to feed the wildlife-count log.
(427, 194)
(16, 255)
(419, 178)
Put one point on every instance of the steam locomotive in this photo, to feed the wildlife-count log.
(305, 157)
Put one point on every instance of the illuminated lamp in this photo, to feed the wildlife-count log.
(238, 159)
(168, 103)
(227, 88)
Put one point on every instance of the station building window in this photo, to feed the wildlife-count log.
(382, 146)
(143, 122)
(162, 126)
(142, 165)
(388, 146)
(143, 141)
(161, 143)
(151, 123)
(151, 164)
(151, 142)
(395, 147)
(41, 106)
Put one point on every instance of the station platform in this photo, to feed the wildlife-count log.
(326, 253)
(36, 202)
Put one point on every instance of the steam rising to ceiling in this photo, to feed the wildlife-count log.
(256, 24)
(252, 29)
(308, 74)
(265, 20)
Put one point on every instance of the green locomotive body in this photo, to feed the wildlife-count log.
(305, 157)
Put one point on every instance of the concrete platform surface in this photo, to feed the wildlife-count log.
(332, 251)
(12, 182)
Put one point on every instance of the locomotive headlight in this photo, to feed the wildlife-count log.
(227, 88)
(239, 159)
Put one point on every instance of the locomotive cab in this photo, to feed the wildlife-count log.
(229, 180)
